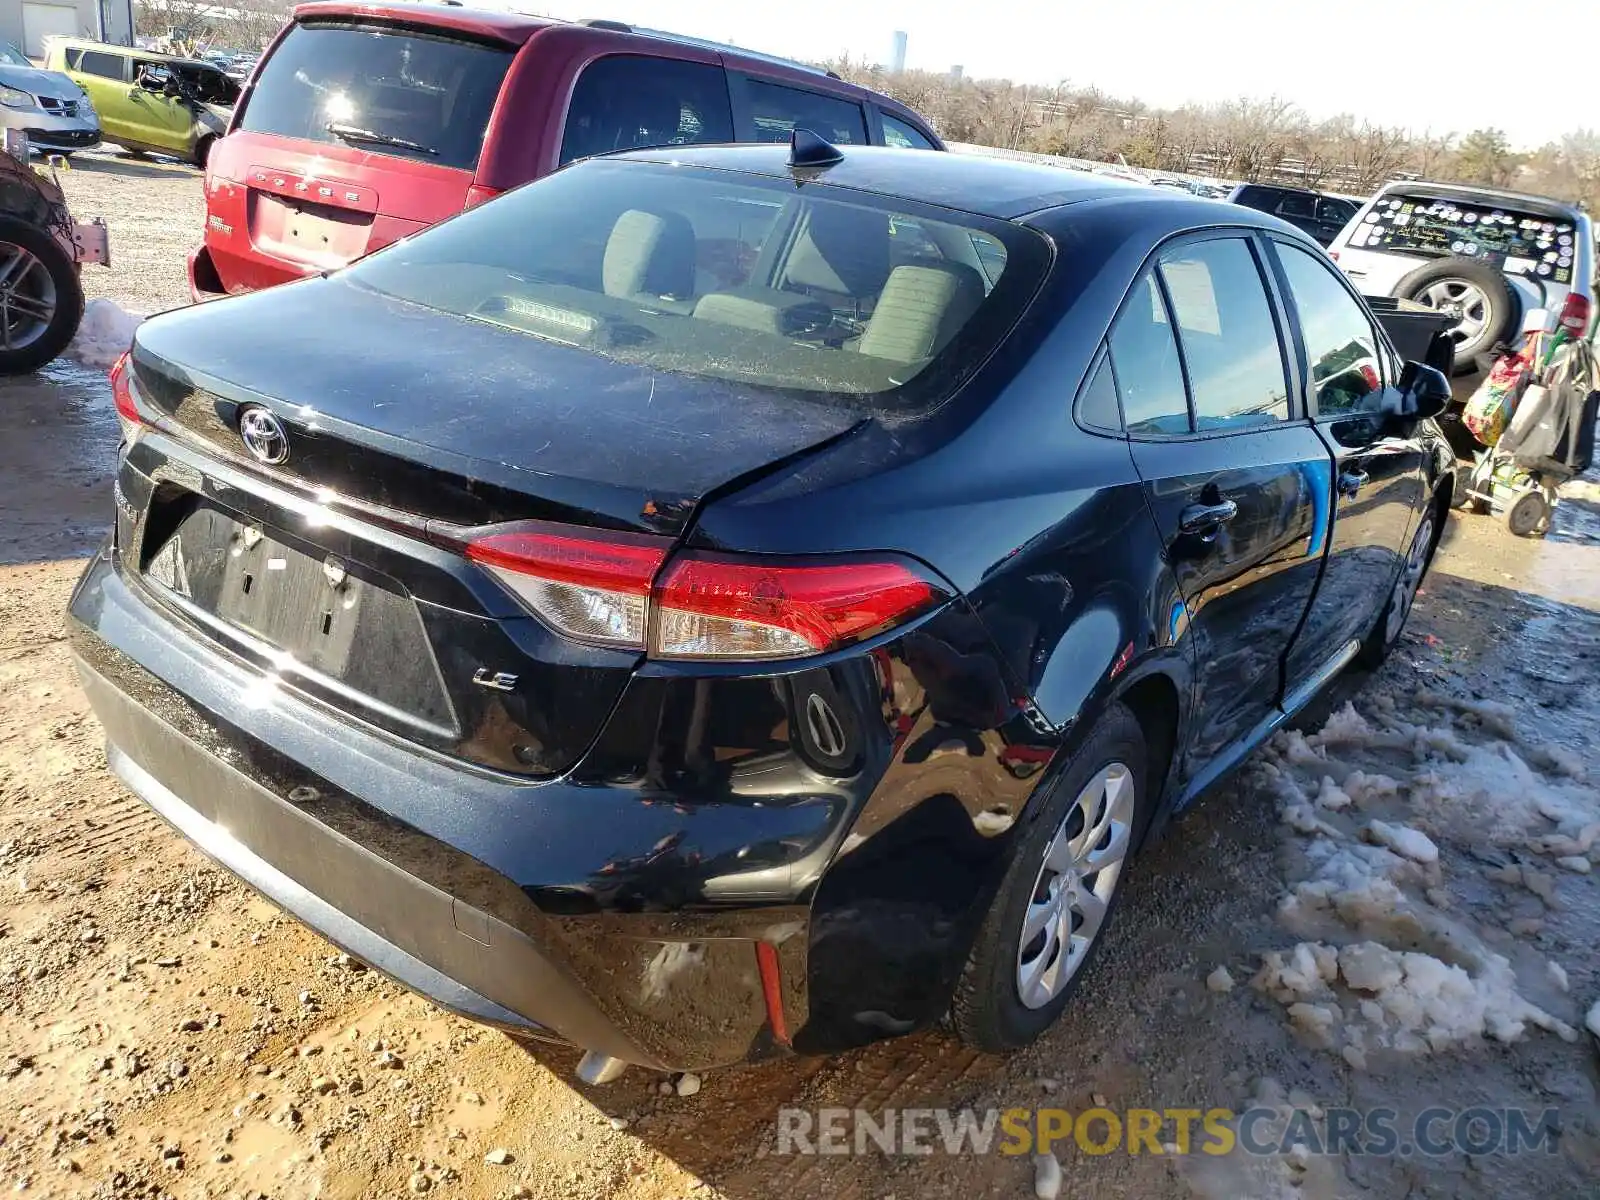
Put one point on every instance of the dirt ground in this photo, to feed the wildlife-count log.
(154, 209)
(164, 1032)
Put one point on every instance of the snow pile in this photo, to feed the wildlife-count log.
(105, 332)
(1592, 1021)
(1404, 841)
(1366, 996)
(1371, 802)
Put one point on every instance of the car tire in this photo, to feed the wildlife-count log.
(1391, 621)
(202, 150)
(48, 284)
(1491, 312)
(1106, 782)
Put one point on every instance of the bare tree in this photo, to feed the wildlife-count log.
(1247, 139)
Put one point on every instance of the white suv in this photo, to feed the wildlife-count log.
(1483, 255)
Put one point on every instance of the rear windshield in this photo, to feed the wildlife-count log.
(1519, 243)
(389, 91)
(711, 273)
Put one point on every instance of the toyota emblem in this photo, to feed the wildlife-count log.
(263, 435)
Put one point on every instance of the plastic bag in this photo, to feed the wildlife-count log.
(1489, 410)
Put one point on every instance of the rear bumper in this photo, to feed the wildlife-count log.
(204, 283)
(393, 855)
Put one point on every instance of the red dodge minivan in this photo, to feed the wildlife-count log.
(367, 122)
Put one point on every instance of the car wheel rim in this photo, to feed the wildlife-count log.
(1405, 588)
(27, 297)
(1082, 865)
(1462, 300)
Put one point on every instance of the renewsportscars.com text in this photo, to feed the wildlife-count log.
(1433, 1132)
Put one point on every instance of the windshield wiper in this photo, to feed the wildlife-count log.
(354, 133)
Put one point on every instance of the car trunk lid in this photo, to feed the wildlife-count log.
(458, 422)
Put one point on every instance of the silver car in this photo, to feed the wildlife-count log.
(53, 111)
(1486, 257)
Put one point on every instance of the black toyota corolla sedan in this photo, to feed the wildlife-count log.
(722, 602)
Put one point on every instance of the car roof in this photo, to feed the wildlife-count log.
(992, 187)
(177, 60)
(512, 27)
(1470, 191)
(515, 28)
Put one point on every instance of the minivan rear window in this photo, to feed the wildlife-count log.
(386, 90)
(883, 303)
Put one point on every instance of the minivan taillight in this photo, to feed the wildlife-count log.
(121, 375)
(621, 590)
(1575, 314)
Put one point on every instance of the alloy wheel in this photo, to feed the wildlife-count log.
(1463, 300)
(1072, 893)
(1405, 588)
(27, 297)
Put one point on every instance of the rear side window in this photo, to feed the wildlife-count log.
(405, 93)
(777, 110)
(1230, 340)
(1144, 356)
(628, 101)
(107, 66)
(1346, 373)
(902, 136)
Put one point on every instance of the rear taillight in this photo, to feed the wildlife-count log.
(723, 607)
(1575, 314)
(620, 590)
(595, 591)
(121, 375)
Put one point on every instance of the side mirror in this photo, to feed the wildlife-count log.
(1424, 392)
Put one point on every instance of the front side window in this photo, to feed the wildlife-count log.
(1332, 211)
(106, 66)
(1295, 205)
(1341, 345)
(902, 136)
(778, 110)
(1144, 356)
(209, 87)
(630, 101)
(383, 90)
(1230, 340)
(730, 277)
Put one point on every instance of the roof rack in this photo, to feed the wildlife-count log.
(706, 44)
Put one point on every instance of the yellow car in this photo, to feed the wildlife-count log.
(149, 103)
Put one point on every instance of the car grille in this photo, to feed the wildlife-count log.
(58, 108)
(63, 137)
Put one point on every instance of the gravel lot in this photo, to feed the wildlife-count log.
(163, 1032)
(156, 211)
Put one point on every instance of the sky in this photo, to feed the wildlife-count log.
(1450, 67)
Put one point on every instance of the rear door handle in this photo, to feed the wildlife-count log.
(1351, 482)
(1204, 518)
